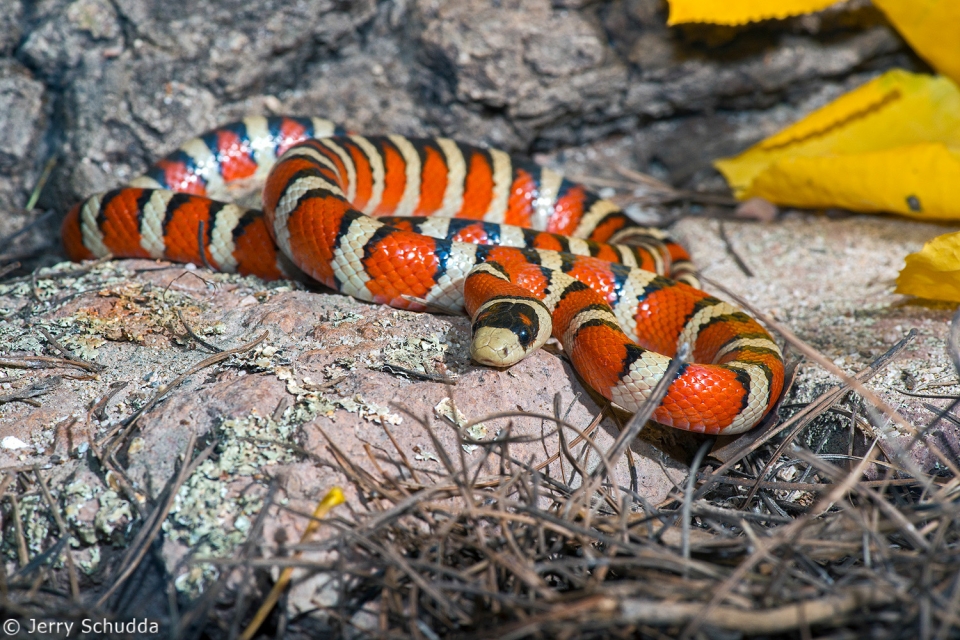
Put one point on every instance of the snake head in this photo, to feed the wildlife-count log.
(507, 330)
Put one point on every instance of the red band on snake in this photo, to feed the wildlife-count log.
(618, 320)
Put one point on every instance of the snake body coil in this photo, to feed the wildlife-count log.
(525, 252)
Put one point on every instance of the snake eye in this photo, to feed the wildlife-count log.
(523, 334)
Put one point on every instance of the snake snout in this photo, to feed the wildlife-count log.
(496, 347)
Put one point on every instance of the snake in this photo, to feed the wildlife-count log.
(427, 223)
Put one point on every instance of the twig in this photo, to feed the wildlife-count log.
(728, 246)
(4, 270)
(201, 341)
(47, 362)
(731, 515)
(69, 355)
(777, 620)
(39, 388)
(131, 421)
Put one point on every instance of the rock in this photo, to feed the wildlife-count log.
(22, 101)
(11, 26)
(535, 66)
(757, 209)
(21, 97)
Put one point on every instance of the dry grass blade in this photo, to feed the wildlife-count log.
(22, 554)
(211, 347)
(732, 252)
(41, 182)
(64, 533)
(40, 561)
(151, 527)
(634, 425)
(39, 388)
(333, 498)
(688, 498)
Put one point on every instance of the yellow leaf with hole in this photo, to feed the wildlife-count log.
(934, 271)
(932, 27)
(891, 145)
(735, 12)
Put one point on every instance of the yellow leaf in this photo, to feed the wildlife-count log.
(891, 145)
(734, 12)
(932, 27)
(921, 180)
(934, 271)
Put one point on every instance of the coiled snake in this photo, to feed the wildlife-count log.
(579, 270)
